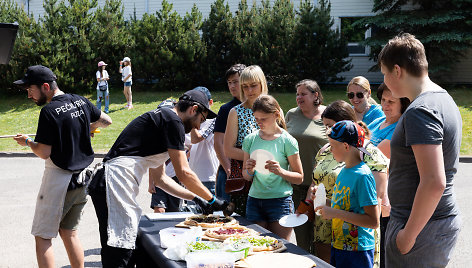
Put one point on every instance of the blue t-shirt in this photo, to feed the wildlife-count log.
(354, 189)
(374, 112)
(267, 186)
(378, 135)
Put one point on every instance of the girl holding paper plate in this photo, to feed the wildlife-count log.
(327, 169)
(268, 153)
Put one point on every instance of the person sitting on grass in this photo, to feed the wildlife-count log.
(354, 206)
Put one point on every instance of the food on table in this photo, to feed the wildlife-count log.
(225, 232)
(210, 221)
(256, 243)
(204, 245)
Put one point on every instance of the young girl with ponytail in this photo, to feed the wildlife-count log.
(270, 196)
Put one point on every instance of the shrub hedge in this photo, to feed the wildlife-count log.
(171, 52)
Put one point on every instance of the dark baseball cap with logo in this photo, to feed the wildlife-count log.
(350, 133)
(200, 98)
(36, 75)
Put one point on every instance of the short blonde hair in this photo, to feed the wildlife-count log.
(251, 74)
(360, 81)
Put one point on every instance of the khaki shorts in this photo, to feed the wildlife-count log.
(73, 208)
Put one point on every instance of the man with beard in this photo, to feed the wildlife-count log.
(145, 144)
(63, 140)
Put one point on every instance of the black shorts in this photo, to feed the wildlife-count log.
(161, 199)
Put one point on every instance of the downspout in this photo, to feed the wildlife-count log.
(147, 6)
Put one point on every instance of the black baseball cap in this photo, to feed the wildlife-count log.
(200, 98)
(36, 75)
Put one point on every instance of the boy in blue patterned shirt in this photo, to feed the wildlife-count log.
(354, 208)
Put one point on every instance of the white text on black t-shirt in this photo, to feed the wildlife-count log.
(69, 106)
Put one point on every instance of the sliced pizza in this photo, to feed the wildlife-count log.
(225, 232)
(210, 221)
(256, 243)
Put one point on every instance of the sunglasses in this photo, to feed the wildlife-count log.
(204, 118)
(359, 95)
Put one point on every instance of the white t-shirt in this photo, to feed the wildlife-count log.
(203, 160)
(125, 72)
(102, 82)
(169, 167)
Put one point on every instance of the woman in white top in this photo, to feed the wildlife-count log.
(126, 74)
(102, 86)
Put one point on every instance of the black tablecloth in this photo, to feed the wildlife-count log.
(150, 254)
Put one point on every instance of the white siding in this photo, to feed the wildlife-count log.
(361, 66)
(358, 8)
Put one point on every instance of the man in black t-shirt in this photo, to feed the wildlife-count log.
(63, 140)
(145, 144)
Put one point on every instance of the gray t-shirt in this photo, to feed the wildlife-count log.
(432, 118)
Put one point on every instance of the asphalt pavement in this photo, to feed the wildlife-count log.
(20, 178)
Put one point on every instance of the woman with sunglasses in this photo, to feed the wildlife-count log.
(327, 169)
(358, 92)
(305, 125)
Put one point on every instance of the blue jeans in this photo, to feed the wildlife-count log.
(220, 184)
(268, 210)
(103, 95)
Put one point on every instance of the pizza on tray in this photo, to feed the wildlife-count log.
(225, 232)
(256, 243)
(210, 221)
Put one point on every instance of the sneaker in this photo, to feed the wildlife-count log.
(130, 107)
(126, 106)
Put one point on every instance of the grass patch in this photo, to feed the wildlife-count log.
(20, 115)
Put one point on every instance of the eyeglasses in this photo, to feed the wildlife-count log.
(359, 95)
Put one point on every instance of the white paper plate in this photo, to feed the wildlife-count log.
(293, 220)
(261, 156)
(168, 216)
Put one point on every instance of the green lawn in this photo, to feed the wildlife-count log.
(20, 115)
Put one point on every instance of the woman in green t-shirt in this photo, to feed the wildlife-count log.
(305, 125)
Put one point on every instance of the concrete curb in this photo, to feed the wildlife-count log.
(30, 154)
(462, 158)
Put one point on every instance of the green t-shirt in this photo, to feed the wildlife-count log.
(267, 186)
(310, 135)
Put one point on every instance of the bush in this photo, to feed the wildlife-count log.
(175, 52)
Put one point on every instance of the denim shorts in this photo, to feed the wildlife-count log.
(268, 210)
(354, 259)
(128, 84)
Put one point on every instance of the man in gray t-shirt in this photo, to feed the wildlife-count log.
(432, 118)
(424, 222)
